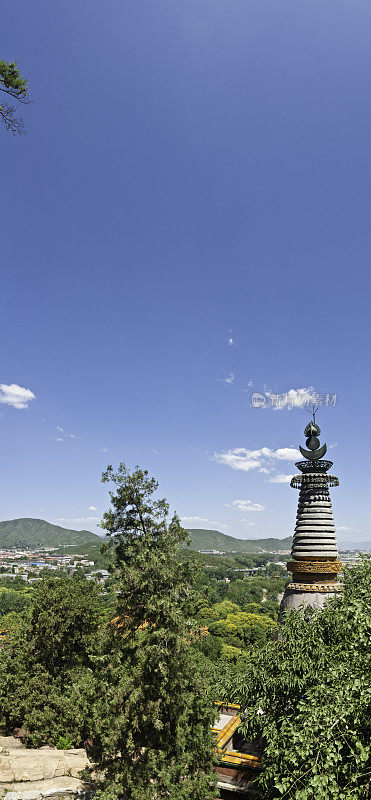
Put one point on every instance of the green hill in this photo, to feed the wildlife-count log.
(202, 539)
(31, 534)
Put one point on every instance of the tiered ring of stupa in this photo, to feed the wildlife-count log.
(315, 535)
(314, 551)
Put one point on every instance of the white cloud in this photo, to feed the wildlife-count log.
(230, 378)
(294, 398)
(280, 478)
(92, 508)
(202, 520)
(342, 528)
(246, 521)
(230, 340)
(77, 520)
(247, 505)
(243, 459)
(286, 453)
(65, 435)
(16, 396)
(335, 444)
(104, 450)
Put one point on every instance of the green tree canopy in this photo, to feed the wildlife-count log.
(153, 714)
(11, 600)
(13, 84)
(47, 685)
(307, 698)
(243, 628)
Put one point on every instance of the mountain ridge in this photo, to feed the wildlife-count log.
(202, 539)
(32, 533)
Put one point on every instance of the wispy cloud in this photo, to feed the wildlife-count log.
(229, 379)
(230, 340)
(77, 520)
(280, 477)
(64, 436)
(16, 396)
(335, 444)
(241, 458)
(104, 450)
(202, 520)
(92, 508)
(246, 505)
(294, 398)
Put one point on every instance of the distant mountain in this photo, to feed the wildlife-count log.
(202, 539)
(361, 547)
(27, 533)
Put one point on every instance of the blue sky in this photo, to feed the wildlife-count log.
(186, 221)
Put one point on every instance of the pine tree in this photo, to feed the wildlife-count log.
(153, 715)
(47, 683)
(14, 85)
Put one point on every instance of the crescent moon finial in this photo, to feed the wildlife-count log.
(312, 431)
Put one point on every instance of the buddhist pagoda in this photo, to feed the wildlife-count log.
(314, 551)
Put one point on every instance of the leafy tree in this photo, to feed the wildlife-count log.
(253, 608)
(11, 600)
(211, 646)
(15, 86)
(16, 583)
(230, 653)
(307, 699)
(47, 686)
(153, 715)
(240, 628)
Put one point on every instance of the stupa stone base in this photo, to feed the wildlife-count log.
(302, 595)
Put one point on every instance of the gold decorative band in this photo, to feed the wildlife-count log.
(315, 587)
(314, 566)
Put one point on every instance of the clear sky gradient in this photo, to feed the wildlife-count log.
(186, 221)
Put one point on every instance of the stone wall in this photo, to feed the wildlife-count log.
(39, 773)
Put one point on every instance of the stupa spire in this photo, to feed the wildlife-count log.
(314, 549)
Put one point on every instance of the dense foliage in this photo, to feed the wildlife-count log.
(153, 713)
(12, 600)
(307, 698)
(130, 668)
(13, 84)
(47, 685)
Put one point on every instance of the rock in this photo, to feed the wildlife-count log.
(10, 743)
(20, 764)
(59, 788)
